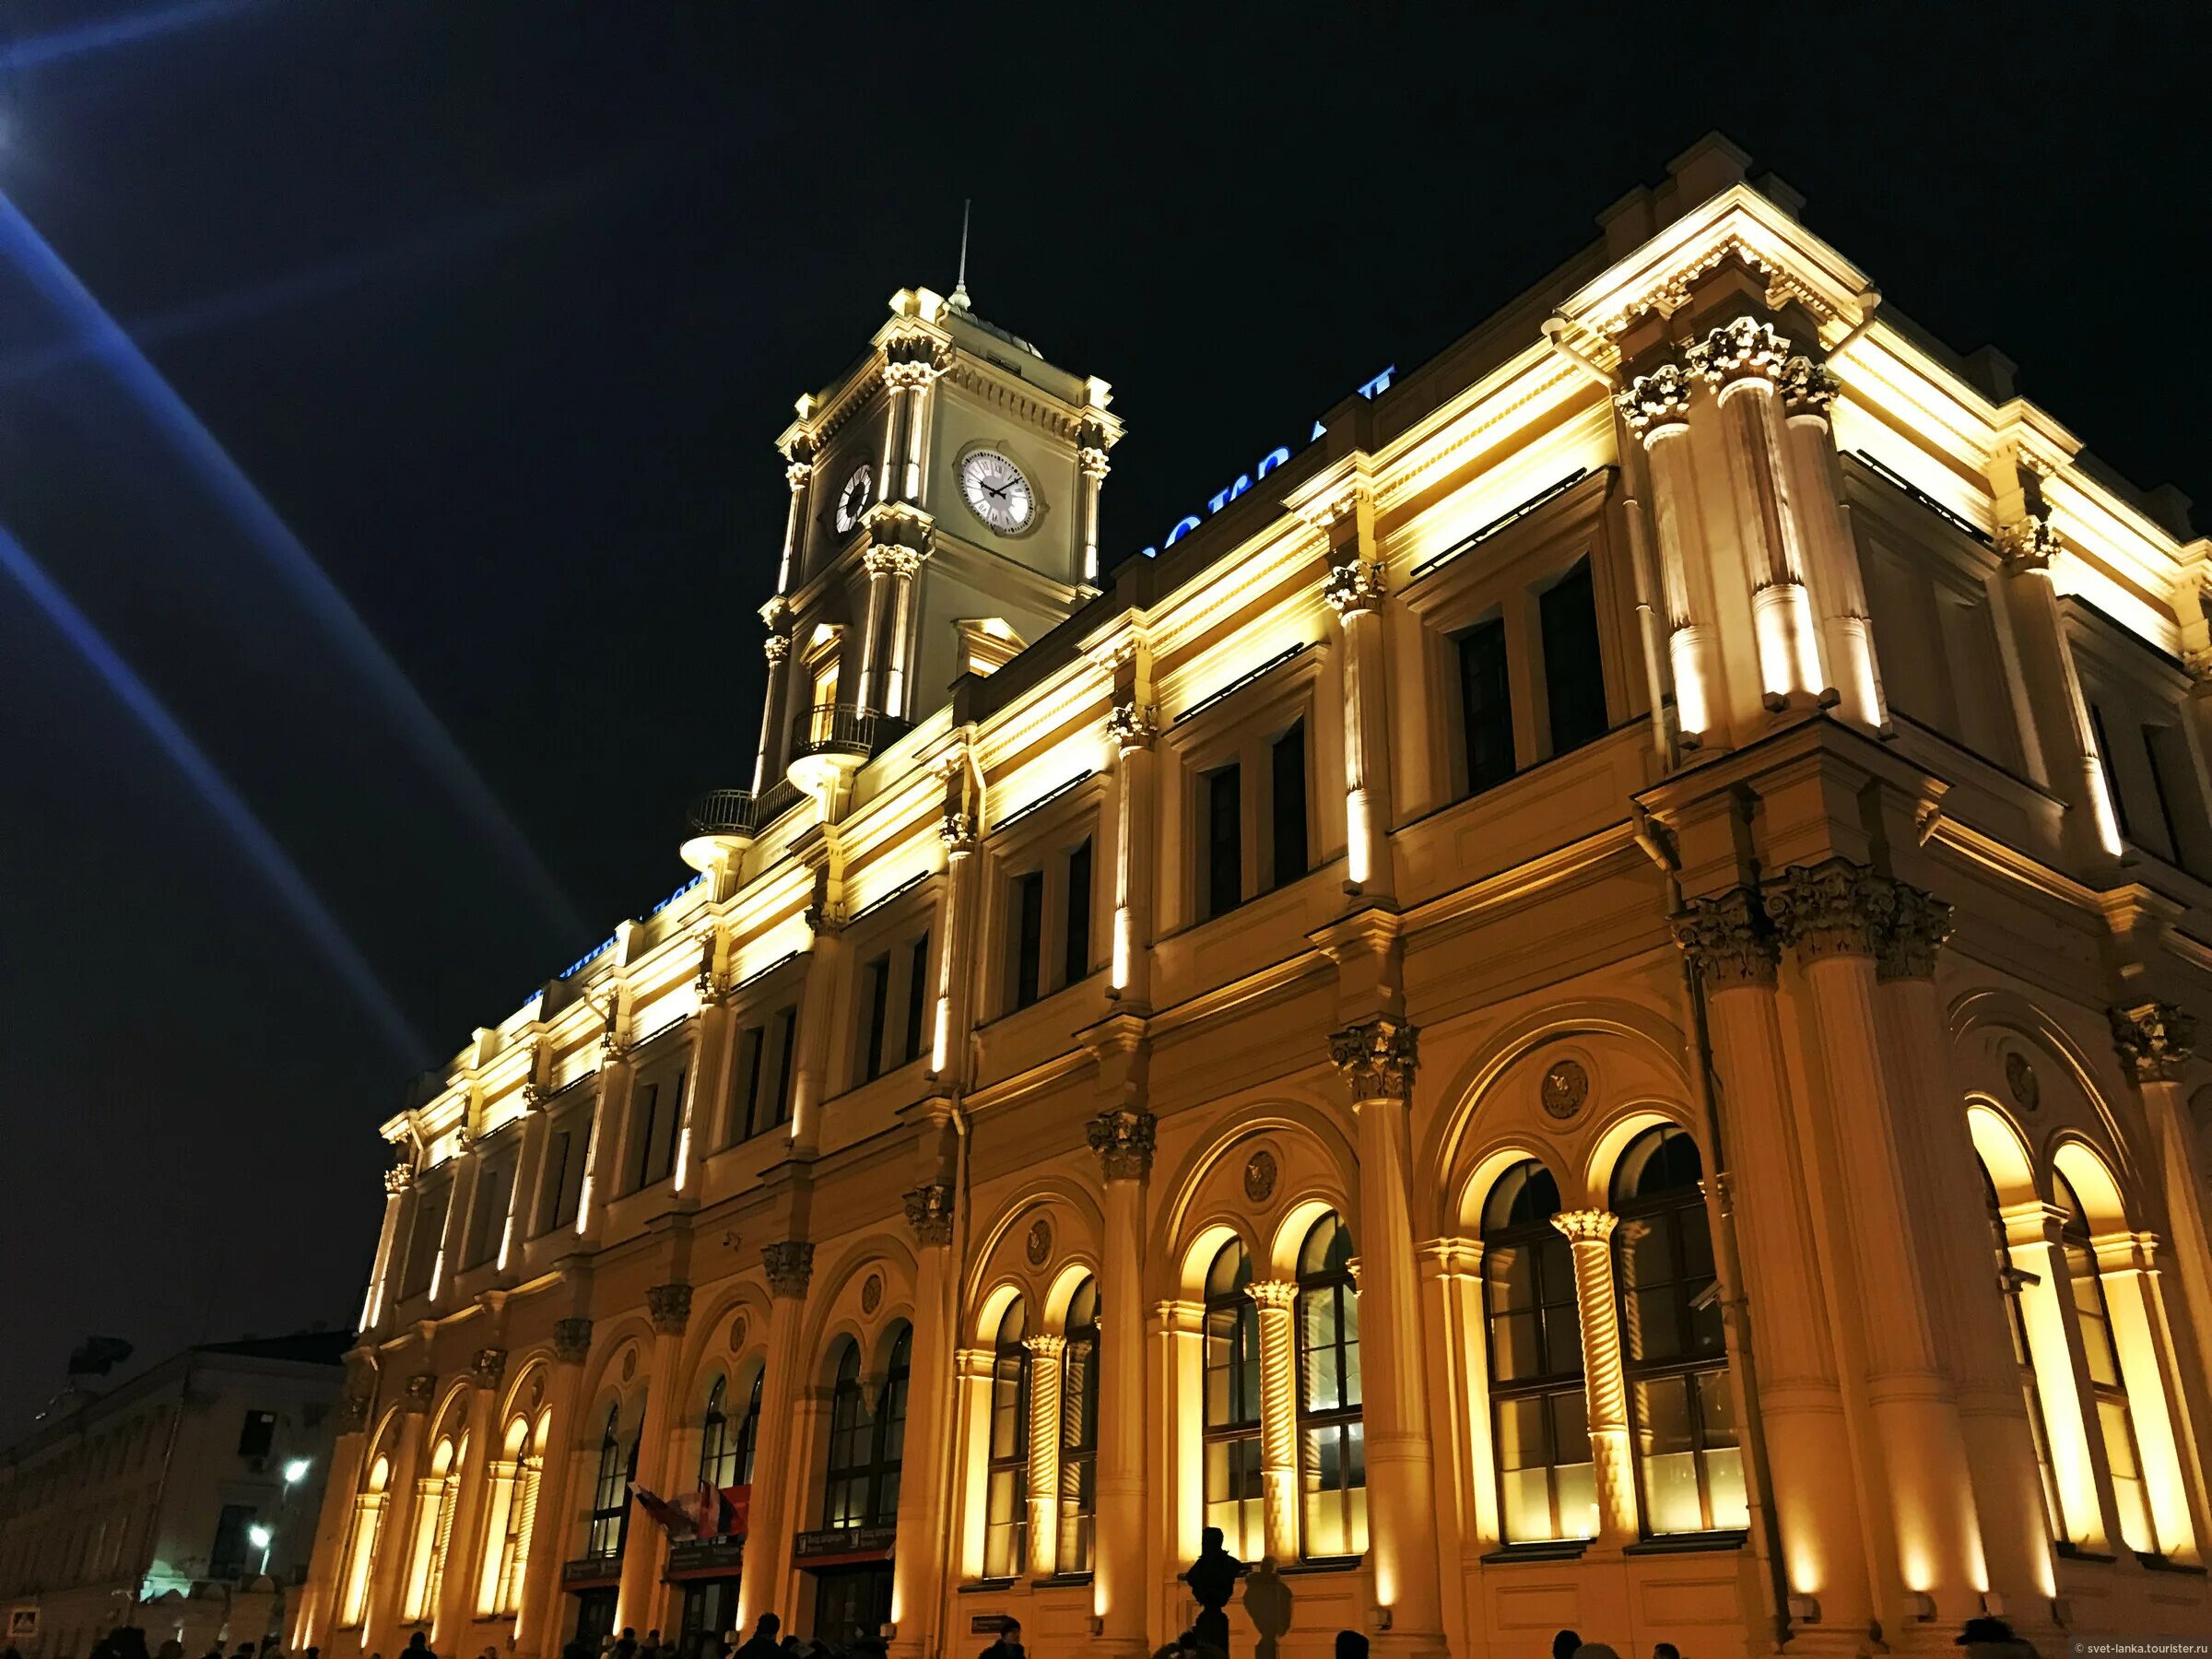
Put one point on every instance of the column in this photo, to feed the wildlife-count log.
(1178, 1356)
(775, 694)
(924, 1517)
(1122, 1139)
(399, 1212)
(1742, 360)
(2062, 1374)
(1846, 627)
(1378, 1059)
(647, 1547)
(1834, 916)
(1656, 409)
(396, 1546)
(1048, 1363)
(2069, 761)
(1452, 1281)
(1091, 468)
(712, 1033)
(790, 1267)
(341, 1502)
(529, 1170)
(818, 1010)
(1134, 728)
(1355, 591)
(972, 1371)
(452, 1243)
(538, 1625)
(1814, 1482)
(891, 570)
(2130, 1283)
(2156, 1041)
(1277, 1302)
(799, 474)
(1589, 1235)
(459, 1577)
(955, 962)
(616, 1075)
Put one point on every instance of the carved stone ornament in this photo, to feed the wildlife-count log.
(630, 1363)
(776, 647)
(571, 1340)
(1729, 940)
(421, 1392)
(2154, 1040)
(888, 558)
(1566, 1086)
(1091, 462)
(790, 1265)
(1358, 585)
(1919, 923)
(1133, 726)
(398, 1179)
(1749, 345)
(1585, 1226)
(1656, 400)
(1837, 907)
(1261, 1173)
(956, 830)
(775, 610)
(1279, 1294)
(488, 1369)
(1122, 1139)
(670, 1306)
(929, 1213)
(1038, 1246)
(2021, 1083)
(1808, 387)
(358, 1402)
(737, 1330)
(537, 1388)
(1378, 1059)
(2028, 544)
(797, 475)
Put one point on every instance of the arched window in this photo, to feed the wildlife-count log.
(865, 1447)
(1079, 1429)
(1331, 1450)
(1234, 1494)
(360, 1551)
(717, 1444)
(434, 1542)
(2009, 1281)
(2116, 1422)
(610, 1490)
(748, 1432)
(1005, 1501)
(1539, 1414)
(1688, 1468)
(529, 1453)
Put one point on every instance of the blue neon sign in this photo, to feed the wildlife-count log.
(1268, 463)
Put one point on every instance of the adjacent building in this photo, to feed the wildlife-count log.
(182, 1501)
(1573, 1005)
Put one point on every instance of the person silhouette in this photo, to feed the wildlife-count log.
(1213, 1580)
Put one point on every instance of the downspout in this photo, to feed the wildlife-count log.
(1736, 1308)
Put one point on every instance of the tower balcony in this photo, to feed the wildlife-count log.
(831, 741)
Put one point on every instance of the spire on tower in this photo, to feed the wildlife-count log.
(960, 287)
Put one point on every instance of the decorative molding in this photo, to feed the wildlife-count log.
(956, 830)
(571, 1340)
(789, 1264)
(2028, 544)
(1133, 726)
(797, 475)
(776, 647)
(1038, 1246)
(421, 1394)
(488, 1367)
(1045, 1346)
(1358, 585)
(1807, 386)
(2155, 1041)
(1729, 940)
(1749, 347)
(1261, 1173)
(1274, 1293)
(889, 559)
(929, 1213)
(1919, 923)
(1653, 402)
(398, 1179)
(1378, 1058)
(1122, 1139)
(1564, 1089)
(670, 1308)
(1586, 1227)
(1837, 907)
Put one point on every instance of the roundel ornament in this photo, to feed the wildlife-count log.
(1566, 1086)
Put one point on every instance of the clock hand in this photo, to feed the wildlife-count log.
(1001, 492)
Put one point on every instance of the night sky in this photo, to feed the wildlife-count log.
(499, 307)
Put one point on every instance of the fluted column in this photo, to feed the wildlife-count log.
(1091, 469)
(1451, 1282)
(396, 1548)
(789, 1267)
(924, 1503)
(1124, 1140)
(538, 1622)
(1355, 591)
(1277, 1302)
(647, 1545)
(609, 1112)
(891, 574)
(1835, 916)
(954, 964)
(775, 698)
(1589, 1235)
(799, 474)
(2087, 1509)
(1134, 728)
(1656, 409)
(1839, 586)
(1814, 1482)
(1742, 360)
(1378, 1059)
(1048, 1359)
(458, 1579)
(399, 1210)
(461, 1195)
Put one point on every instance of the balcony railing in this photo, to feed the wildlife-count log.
(776, 800)
(724, 812)
(834, 729)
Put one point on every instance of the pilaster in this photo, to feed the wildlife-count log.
(1122, 1138)
(1589, 1235)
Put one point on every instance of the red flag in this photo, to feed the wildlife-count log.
(672, 1520)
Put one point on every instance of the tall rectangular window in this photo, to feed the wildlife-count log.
(232, 1551)
(751, 1046)
(1076, 954)
(2154, 742)
(488, 1222)
(1028, 936)
(430, 1233)
(563, 1188)
(1287, 785)
(1224, 839)
(917, 998)
(876, 987)
(1574, 680)
(2112, 777)
(787, 1042)
(1486, 705)
(658, 1119)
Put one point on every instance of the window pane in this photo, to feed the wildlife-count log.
(1028, 936)
(1514, 1350)
(1520, 1434)
(1223, 840)
(1075, 936)
(1509, 1277)
(1574, 683)
(1288, 783)
(1486, 705)
(1648, 1321)
(1665, 1450)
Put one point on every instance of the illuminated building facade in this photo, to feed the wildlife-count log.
(1571, 1012)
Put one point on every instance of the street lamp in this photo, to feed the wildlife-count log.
(261, 1537)
(296, 1471)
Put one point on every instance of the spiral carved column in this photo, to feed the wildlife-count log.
(1590, 1237)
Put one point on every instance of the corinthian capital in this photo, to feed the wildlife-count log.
(776, 647)
(929, 1213)
(888, 558)
(1092, 462)
(1133, 726)
(1280, 1294)
(1378, 1059)
(398, 1179)
(1919, 924)
(1808, 387)
(670, 1307)
(1746, 347)
(2154, 1040)
(571, 1340)
(797, 475)
(1837, 907)
(1357, 584)
(1586, 1227)
(489, 1367)
(421, 1394)
(1122, 1139)
(1730, 940)
(1656, 400)
(790, 1265)
(2028, 544)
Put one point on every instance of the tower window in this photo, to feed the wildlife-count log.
(1574, 681)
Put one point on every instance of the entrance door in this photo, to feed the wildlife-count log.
(709, 1611)
(595, 1616)
(852, 1602)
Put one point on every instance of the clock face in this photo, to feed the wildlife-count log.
(996, 491)
(852, 500)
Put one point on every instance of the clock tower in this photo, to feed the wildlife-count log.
(944, 512)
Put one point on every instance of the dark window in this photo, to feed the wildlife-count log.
(1539, 1420)
(1680, 1408)
(787, 1039)
(878, 989)
(865, 1449)
(748, 1433)
(1028, 936)
(1079, 1431)
(2111, 778)
(659, 1118)
(610, 1490)
(1235, 1499)
(563, 1190)
(1332, 1440)
(429, 1234)
(1075, 962)
(1006, 1494)
(2154, 741)
(228, 1557)
(917, 998)
(1574, 681)
(1287, 785)
(717, 1443)
(752, 1048)
(257, 1434)
(488, 1222)
(1486, 705)
(1223, 840)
